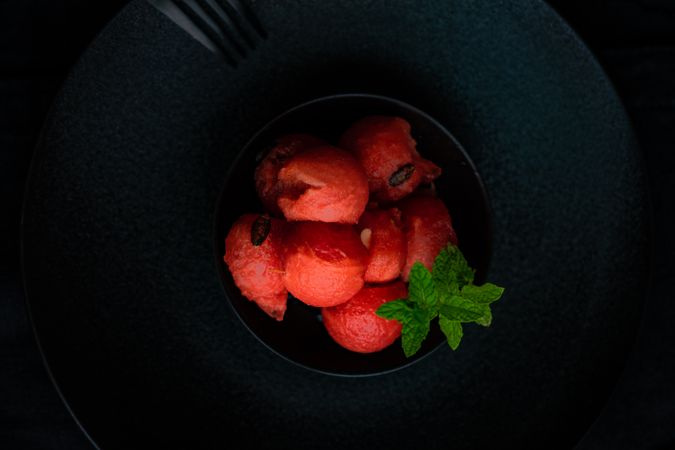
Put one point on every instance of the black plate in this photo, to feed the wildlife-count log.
(119, 254)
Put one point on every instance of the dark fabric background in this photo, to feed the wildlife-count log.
(633, 39)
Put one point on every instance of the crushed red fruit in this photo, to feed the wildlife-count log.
(428, 228)
(267, 172)
(323, 184)
(381, 232)
(354, 324)
(389, 156)
(253, 253)
(329, 246)
(325, 262)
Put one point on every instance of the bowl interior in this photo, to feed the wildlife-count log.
(300, 337)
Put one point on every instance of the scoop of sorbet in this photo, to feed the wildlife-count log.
(324, 262)
(267, 172)
(428, 228)
(354, 324)
(253, 254)
(323, 184)
(382, 233)
(384, 147)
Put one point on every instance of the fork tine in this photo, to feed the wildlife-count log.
(245, 9)
(236, 18)
(228, 28)
(223, 23)
(206, 28)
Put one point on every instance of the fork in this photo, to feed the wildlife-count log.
(229, 28)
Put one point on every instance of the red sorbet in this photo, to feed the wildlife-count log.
(388, 154)
(382, 233)
(266, 174)
(323, 184)
(324, 262)
(354, 324)
(253, 253)
(428, 228)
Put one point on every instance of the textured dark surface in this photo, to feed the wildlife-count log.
(119, 247)
(634, 40)
(39, 42)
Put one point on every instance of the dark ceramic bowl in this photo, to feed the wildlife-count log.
(301, 337)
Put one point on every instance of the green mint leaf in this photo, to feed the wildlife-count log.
(421, 290)
(396, 309)
(451, 271)
(415, 321)
(463, 273)
(484, 294)
(486, 320)
(452, 330)
(414, 332)
(463, 310)
(447, 291)
(442, 275)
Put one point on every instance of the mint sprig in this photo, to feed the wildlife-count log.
(447, 292)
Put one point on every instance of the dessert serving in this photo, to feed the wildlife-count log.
(357, 230)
